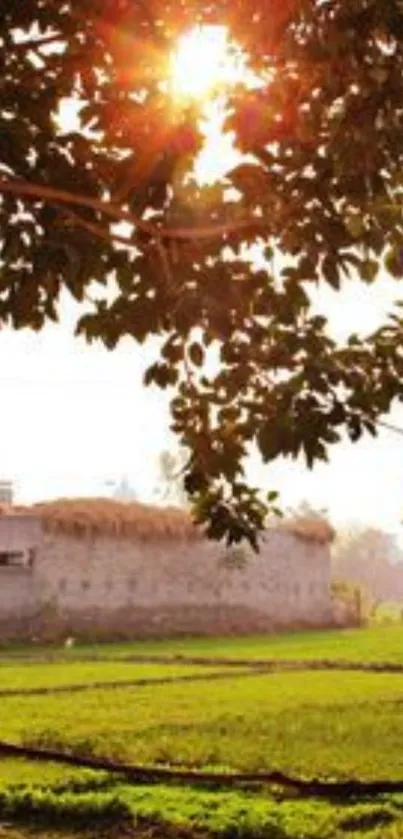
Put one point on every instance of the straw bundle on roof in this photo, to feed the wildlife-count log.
(82, 517)
(310, 528)
(7, 509)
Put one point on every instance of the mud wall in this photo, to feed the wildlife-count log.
(117, 587)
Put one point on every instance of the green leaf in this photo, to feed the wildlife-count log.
(369, 270)
(196, 354)
(394, 262)
(247, 177)
(355, 225)
(330, 271)
(272, 495)
(161, 375)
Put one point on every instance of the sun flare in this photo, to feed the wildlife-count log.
(205, 62)
(205, 65)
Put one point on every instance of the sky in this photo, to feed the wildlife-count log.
(76, 417)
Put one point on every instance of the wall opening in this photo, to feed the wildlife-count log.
(17, 559)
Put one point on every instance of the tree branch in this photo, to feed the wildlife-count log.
(166, 268)
(113, 238)
(96, 229)
(60, 197)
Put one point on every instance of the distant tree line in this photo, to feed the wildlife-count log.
(372, 558)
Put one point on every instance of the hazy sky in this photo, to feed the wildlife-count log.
(76, 417)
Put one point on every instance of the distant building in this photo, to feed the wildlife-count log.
(6, 492)
(100, 568)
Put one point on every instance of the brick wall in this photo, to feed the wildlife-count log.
(121, 587)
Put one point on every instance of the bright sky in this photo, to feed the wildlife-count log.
(76, 417)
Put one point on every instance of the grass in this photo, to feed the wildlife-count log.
(332, 724)
(375, 644)
(182, 812)
(62, 674)
(313, 723)
(381, 644)
(387, 613)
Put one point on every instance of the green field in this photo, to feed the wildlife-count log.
(381, 644)
(33, 675)
(97, 701)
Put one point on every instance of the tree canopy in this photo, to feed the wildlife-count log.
(320, 183)
(372, 558)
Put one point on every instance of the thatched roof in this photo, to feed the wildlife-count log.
(310, 529)
(81, 517)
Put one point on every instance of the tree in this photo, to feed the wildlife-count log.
(352, 605)
(321, 182)
(122, 490)
(369, 557)
(171, 488)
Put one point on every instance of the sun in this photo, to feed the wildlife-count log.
(204, 63)
(204, 66)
